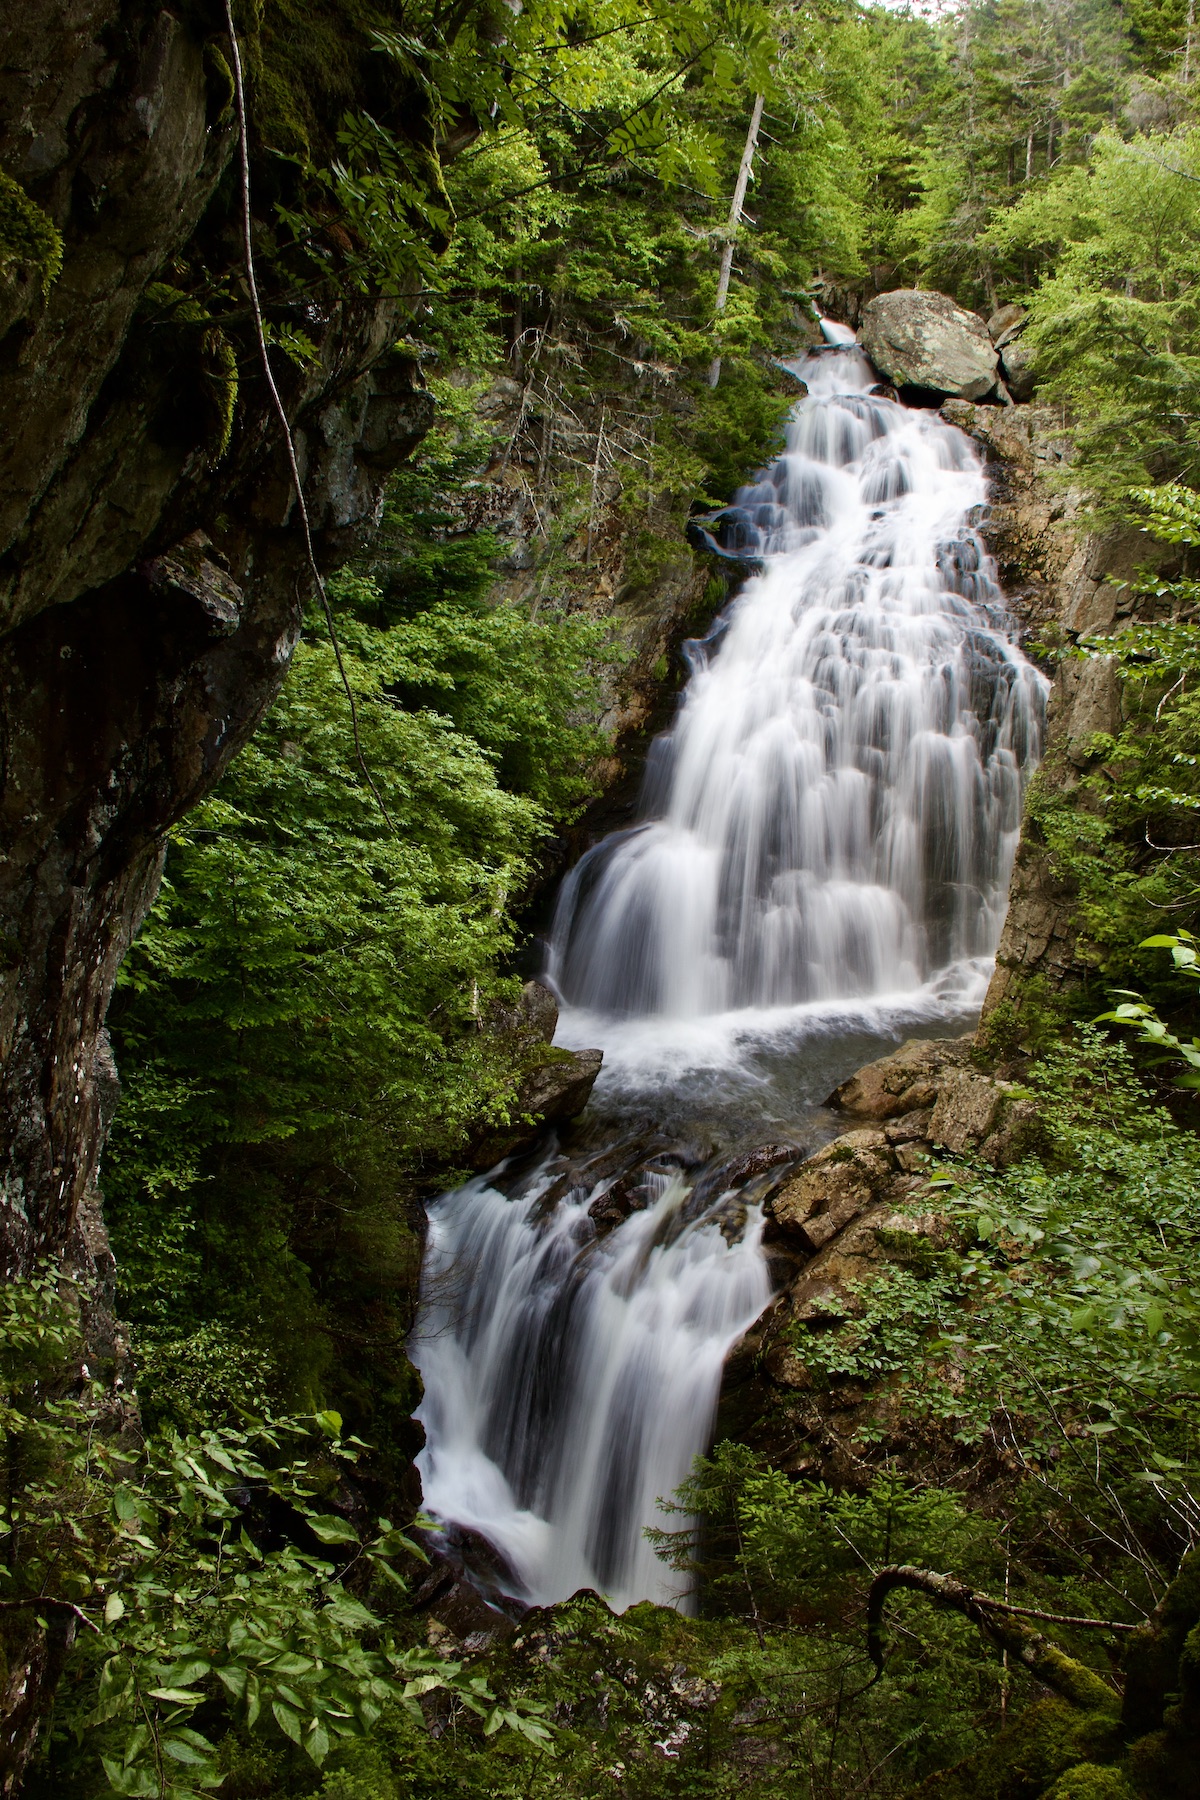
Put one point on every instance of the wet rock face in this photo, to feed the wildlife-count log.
(1066, 582)
(903, 1082)
(151, 576)
(833, 1187)
(924, 340)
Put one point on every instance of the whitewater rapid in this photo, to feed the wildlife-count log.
(820, 863)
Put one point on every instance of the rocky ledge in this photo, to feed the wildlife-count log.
(862, 1201)
(553, 1085)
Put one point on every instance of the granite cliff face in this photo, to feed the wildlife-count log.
(151, 573)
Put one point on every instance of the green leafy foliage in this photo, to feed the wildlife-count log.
(1150, 1028)
(213, 1581)
(299, 1026)
(1114, 318)
(299, 1023)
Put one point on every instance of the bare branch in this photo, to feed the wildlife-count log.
(1044, 1660)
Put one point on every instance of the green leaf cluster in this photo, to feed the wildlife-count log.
(300, 1024)
(207, 1578)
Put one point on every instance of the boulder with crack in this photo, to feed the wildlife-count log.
(924, 340)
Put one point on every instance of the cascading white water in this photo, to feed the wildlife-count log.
(836, 809)
(833, 815)
(570, 1383)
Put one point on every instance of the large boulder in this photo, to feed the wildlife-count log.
(833, 1187)
(904, 1082)
(924, 340)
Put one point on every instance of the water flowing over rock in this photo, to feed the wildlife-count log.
(825, 844)
(836, 809)
(569, 1382)
(925, 341)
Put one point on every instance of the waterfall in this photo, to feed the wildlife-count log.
(836, 809)
(829, 825)
(570, 1382)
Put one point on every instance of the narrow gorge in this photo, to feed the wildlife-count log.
(821, 865)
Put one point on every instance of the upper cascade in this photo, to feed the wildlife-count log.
(835, 811)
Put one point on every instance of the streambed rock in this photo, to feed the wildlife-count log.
(833, 1187)
(931, 1097)
(903, 1082)
(924, 340)
(860, 1204)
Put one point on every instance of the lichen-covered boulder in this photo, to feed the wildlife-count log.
(924, 340)
(833, 1187)
(1005, 323)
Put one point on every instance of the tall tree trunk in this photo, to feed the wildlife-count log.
(735, 219)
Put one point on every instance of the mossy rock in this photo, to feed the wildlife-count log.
(29, 239)
(1091, 1781)
(1056, 1751)
(1155, 1653)
(1048, 1741)
(31, 252)
(203, 365)
(317, 59)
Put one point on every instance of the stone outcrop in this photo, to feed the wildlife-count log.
(553, 1085)
(904, 1082)
(152, 574)
(928, 1096)
(833, 1187)
(861, 1202)
(1019, 369)
(1065, 580)
(924, 340)
(1005, 323)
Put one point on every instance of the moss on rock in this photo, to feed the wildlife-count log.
(29, 240)
(207, 386)
(1091, 1781)
(1050, 1740)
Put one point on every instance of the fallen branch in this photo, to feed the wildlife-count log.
(1044, 1660)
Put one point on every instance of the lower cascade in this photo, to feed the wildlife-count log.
(822, 859)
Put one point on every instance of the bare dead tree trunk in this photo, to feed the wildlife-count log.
(587, 555)
(735, 219)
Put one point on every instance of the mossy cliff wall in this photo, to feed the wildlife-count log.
(151, 571)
